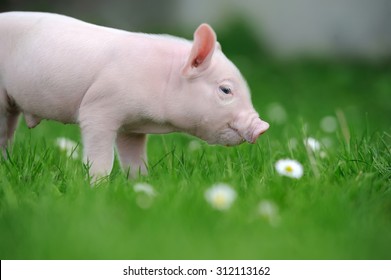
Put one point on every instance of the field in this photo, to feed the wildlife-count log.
(339, 209)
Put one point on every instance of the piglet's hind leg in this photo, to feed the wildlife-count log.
(8, 122)
(3, 132)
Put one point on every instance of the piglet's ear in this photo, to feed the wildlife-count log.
(201, 52)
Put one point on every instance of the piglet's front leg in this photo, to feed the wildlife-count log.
(132, 153)
(98, 143)
(98, 120)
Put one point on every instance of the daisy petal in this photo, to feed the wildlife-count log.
(290, 168)
(220, 196)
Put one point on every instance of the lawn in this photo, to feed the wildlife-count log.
(339, 209)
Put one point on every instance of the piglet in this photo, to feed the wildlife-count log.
(119, 86)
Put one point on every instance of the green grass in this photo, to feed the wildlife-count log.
(339, 209)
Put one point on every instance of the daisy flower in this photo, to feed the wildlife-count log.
(329, 124)
(268, 210)
(145, 195)
(312, 143)
(68, 146)
(276, 113)
(144, 188)
(290, 168)
(220, 196)
(194, 145)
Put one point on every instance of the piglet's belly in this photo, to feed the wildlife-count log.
(41, 105)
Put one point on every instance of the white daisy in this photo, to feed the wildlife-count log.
(290, 168)
(194, 145)
(144, 188)
(220, 196)
(329, 124)
(312, 143)
(144, 201)
(268, 210)
(276, 113)
(145, 195)
(68, 146)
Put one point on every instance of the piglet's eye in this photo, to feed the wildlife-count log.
(225, 90)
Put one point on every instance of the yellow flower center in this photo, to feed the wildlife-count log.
(289, 169)
(220, 200)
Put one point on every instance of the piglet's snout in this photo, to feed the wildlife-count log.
(252, 127)
(259, 128)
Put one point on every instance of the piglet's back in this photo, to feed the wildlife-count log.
(50, 61)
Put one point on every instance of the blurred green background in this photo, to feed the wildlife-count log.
(300, 69)
(326, 55)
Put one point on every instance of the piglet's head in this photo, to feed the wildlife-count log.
(218, 104)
